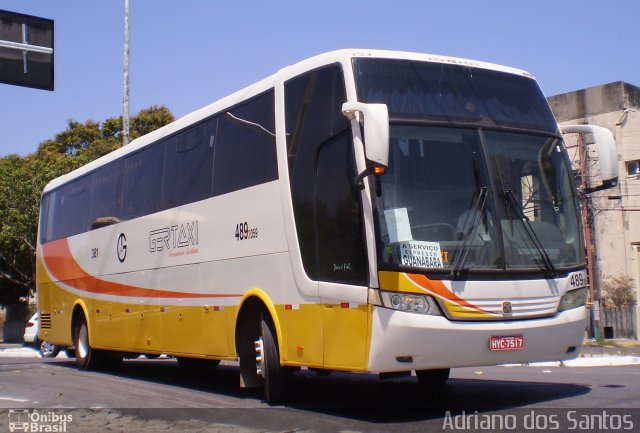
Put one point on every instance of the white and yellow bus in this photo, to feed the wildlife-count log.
(365, 211)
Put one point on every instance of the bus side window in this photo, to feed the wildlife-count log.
(47, 213)
(143, 182)
(73, 212)
(245, 146)
(105, 200)
(188, 168)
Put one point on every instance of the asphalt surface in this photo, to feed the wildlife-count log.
(156, 395)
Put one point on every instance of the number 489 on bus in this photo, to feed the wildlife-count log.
(243, 232)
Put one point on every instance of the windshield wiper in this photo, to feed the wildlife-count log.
(470, 225)
(512, 202)
(469, 231)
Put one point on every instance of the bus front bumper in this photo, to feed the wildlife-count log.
(406, 341)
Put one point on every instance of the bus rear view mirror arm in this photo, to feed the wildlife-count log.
(607, 154)
(376, 136)
(376, 129)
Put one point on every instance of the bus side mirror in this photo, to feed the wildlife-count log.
(606, 149)
(376, 129)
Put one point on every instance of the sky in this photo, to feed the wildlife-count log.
(186, 54)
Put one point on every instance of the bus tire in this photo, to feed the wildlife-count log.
(433, 378)
(275, 376)
(86, 357)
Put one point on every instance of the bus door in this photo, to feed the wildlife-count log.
(342, 262)
(328, 218)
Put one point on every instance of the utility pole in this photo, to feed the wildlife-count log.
(125, 99)
(585, 200)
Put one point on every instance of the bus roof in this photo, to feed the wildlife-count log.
(343, 56)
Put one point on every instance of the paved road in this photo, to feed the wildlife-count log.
(156, 395)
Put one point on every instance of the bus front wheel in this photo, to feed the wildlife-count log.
(268, 362)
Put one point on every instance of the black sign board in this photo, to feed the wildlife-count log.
(26, 50)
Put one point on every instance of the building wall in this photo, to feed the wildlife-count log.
(616, 212)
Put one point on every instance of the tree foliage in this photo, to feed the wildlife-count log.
(23, 178)
(618, 290)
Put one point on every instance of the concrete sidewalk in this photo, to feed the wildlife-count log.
(620, 347)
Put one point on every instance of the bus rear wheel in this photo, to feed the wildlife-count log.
(86, 357)
(433, 378)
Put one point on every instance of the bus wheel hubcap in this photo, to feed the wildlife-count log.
(259, 345)
(83, 348)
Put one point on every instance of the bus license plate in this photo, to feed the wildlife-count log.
(506, 342)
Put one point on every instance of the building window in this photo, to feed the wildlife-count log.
(633, 167)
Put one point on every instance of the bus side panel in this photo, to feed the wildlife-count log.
(54, 306)
(142, 327)
(302, 328)
(109, 324)
(199, 330)
(174, 329)
(345, 336)
(52, 326)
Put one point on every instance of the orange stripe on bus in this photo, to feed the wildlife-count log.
(440, 289)
(61, 264)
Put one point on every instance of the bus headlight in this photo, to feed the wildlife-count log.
(573, 299)
(409, 302)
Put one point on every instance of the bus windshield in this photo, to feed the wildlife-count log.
(453, 93)
(478, 180)
(446, 203)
